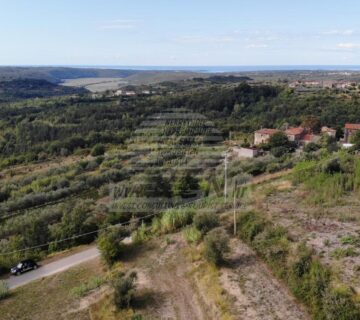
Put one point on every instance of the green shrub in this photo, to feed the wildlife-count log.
(140, 235)
(340, 305)
(216, 243)
(192, 235)
(124, 289)
(204, 221)
(98, 150)
(250, 224)
(4, 290)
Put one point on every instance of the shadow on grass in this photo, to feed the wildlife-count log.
(147, 298)
(134, 250)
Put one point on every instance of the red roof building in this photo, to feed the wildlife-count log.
(350, 129)
(295, 134)
(263, 135)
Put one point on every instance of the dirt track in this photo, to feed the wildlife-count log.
(165, 274)
(257, 294)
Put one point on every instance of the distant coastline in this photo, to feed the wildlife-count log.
(220, 69)
(213, 69)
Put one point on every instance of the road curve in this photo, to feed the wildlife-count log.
(53, 267)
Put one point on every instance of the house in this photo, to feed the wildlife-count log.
(312, 83)
(328, 84)
(344, 85)
(350, 129)
(295, 134)
(307, 138)
(294, 84)
(130, 93)
(263, 135)
(329, 131)
(240, 152)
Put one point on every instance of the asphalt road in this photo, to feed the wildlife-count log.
(53, 267)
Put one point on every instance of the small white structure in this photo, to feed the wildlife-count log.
(347, 145)
(240, 152)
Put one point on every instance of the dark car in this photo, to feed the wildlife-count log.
(23, 266)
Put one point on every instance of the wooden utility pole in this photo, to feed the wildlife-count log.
(235, 210)
(225, 184)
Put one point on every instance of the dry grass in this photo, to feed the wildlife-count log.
(50, 298)
(207, 279)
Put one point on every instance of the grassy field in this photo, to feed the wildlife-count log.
(51, 298)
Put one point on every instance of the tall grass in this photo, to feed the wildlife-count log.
(4, 290)
(173, 219)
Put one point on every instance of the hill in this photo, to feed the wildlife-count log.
(33, 88)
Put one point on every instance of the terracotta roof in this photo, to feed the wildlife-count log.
(308, 137)
(295, 131)
(267, 131)
(352, 126)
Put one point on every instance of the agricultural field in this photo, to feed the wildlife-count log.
(96, 84)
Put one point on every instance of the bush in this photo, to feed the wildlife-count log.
(216, 244)
(192, 235)
(204, 221)
(4, 290)
(98, 150)
(311, 147)
(124, 289)
(250, 224)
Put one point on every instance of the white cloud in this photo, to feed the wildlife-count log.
(348, 32)
(120, 24)
(256, 46)
(206, 39)
(348, 46)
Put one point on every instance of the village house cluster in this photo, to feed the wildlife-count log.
(323, 84)
(301, 136)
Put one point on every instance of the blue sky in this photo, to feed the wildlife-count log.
(179, 32)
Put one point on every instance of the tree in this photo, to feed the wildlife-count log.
(186, 186)
(313, 124)
(76, 221)
(151, 184)
(278, 139)
(216, 244)
(110, 246)
(355, 139)
(279, 144)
